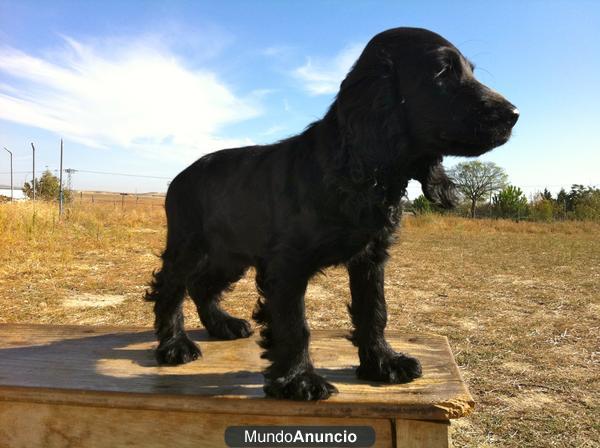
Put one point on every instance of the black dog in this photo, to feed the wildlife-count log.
(325, 197)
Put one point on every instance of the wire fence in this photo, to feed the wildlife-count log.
(128, 200)
(122, 200)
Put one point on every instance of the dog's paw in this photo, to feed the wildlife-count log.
(230, 328)
(390, 368)
(179, 350)
(304, 386)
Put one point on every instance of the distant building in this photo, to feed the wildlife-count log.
(17, 193)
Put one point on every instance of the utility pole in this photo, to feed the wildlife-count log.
(33, 148)
(60, 185)
(70, 172)
(11, 174)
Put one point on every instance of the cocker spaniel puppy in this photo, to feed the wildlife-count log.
(327, 196)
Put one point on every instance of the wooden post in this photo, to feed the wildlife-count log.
(11, 173)
(60, 182)
(33, 149)
(422, 433)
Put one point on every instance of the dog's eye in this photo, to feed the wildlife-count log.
(444, 72)
(443, 75)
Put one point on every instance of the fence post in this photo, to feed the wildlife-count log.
(60, 184)
(11, 173)
(33, 184)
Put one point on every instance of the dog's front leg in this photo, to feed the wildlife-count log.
(285, 334)
(378, 361)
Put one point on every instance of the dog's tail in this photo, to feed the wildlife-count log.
(183, 246)
(155, 285)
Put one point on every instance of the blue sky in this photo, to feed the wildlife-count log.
(147, 87)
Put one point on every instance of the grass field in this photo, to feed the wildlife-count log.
(520, 303)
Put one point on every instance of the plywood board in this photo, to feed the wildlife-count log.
(421, 434)
(28, 425)
(115, 367)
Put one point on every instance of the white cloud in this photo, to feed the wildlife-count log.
(277, 51)
(275, 129)
(286, 105)
(136, 95)
(323, 77)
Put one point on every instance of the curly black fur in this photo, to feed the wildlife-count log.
(327, 196)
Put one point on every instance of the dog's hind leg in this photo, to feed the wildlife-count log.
(205, 286)
(378, 361)
(167, 291)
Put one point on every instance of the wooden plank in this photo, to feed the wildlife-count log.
(102, 366)
(28, 425)
(422, 434)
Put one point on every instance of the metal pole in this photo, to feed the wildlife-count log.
(60, 187)
(11, 174)
(33, 148)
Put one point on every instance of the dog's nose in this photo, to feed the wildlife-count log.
(508, 114)
(514, 116)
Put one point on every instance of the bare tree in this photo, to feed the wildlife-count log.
(477, 180)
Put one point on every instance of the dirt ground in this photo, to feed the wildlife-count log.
(520, 303)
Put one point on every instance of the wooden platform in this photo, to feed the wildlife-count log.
(98, 386)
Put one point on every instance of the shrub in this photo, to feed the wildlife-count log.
(422, 205)
(510, 203)
(543, 209)
(46, 188)
(587, 207)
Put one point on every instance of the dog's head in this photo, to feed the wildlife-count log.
(412, 93)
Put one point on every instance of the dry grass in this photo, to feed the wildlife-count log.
(520, 303)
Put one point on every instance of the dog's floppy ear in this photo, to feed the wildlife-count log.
(369, 114)
(435, 183)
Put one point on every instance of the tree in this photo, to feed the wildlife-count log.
(510, 203)
(585, 202)
(422, 205)
(542, 209)
(477, 180)
(581, 202)
(46, 188)
(546, 195)
(562, 199)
